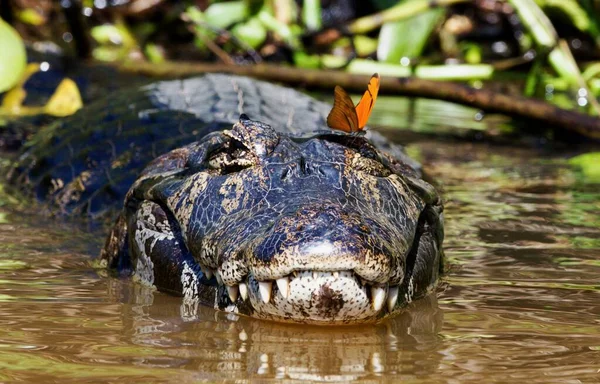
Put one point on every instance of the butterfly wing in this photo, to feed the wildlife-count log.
(366, 103)
(343, 114)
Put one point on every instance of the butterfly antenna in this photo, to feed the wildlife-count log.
(357, 134)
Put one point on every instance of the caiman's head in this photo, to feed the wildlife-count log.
(325, 229)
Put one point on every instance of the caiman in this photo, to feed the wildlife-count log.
(234, 193)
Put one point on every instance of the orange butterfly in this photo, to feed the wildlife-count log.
(344, 116)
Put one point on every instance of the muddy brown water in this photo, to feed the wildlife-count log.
(520, 303)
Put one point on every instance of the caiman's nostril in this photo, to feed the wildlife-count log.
(304, 168)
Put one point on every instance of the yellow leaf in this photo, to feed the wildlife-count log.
(65, 101)
(32, 17)
(13, 99)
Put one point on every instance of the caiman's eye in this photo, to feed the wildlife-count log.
(231, 157)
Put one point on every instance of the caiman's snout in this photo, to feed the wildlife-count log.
(326, 238)
(327, 263)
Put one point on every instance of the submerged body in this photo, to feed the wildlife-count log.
(268, 214)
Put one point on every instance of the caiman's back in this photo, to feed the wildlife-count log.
(84, 164)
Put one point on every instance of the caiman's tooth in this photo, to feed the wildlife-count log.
(284, 286)
(392, 298)
(336, 275)
(315, 274)
(233, 292)
(378, 297)
(219, 279)
(207, 272)
(243, 291)
(264, 287)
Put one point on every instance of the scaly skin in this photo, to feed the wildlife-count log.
(280, 219)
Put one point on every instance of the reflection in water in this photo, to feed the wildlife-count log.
(231, 346)
(521, 301)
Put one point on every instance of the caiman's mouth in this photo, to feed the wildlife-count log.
(322, 296)
(312, 296)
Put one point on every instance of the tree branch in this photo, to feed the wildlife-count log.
(489, 101)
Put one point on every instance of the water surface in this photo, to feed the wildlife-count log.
(521, 300)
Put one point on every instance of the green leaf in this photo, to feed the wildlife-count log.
(107, 34)
(13, 59)
(591, 71)
(252, 32)
(406, 38)
(154, 53)
(472, 53)
(589, 164)
(365, 45)
(368, 67)
(194, 14)
(222, 15)
(311, 14)
(272, 24)
(457, 72)
(570, 9)
(536, 21)
(304, 60)
(107, 53)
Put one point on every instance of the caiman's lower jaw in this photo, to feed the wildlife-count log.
(315, 297)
